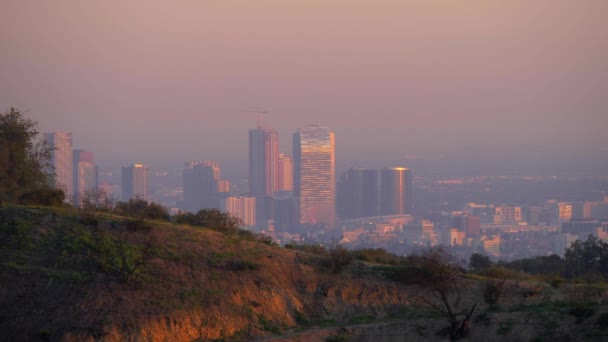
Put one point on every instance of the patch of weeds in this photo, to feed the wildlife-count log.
(504, 328)
(266, 325)
(44, 334)
(341, 336)
(301, 318)
(327, 322)
(138, 224)
(556, 283)
(362, 319)
(602, 321)
(581, 313)
(421, 330)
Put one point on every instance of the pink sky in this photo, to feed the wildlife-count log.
(138, 80)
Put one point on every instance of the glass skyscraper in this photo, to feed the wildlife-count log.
(135, 182)
(61, 158)
(396, 191)
(314, 178)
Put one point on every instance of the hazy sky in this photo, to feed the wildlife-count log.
(178, 80)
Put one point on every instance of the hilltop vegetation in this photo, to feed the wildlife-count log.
(122, 278)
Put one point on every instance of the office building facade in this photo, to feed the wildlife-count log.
(135, 182)
(86, 174)
(62, 160)
(314, 175)
(359, 194)
(396, 193)
(203, 186)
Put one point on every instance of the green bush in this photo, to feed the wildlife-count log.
(141, 209)
(43, 196)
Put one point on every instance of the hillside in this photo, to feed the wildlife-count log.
(61, 279)
(122, 279)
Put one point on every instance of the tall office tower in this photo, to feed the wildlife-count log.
(314, 175)
(242, 208)
(86, 174)
(61, 159)
(285, 173)
(396, 194)
(359, 193)
(203, 185)
(135, 182)
(263, 168)
(263, 161)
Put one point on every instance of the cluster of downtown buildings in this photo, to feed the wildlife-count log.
(299, 192)
(286, 193)
(76, 172)
(298, 196)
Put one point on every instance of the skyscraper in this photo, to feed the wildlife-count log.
(263, 161)
(359, 193)
(396, 198)
(285, 173)
(263, 169)
(203, 186)
(135, 182)
(61, 159)
(314, 175)
(86, 174)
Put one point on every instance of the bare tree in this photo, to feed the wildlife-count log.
(441, 286)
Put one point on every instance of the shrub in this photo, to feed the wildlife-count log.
(338, 258)
(43, 196)
(556, 282)
(496, 289)
(139, 208)
(581, 312)
(602, 321)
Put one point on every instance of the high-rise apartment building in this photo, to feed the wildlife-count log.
(86, 174)
(203, 186)
(359, 194)
(285, 173)
(62, 161)
(396, 194)
(135, 182)
(315, 175)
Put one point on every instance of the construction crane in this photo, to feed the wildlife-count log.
(258, 119)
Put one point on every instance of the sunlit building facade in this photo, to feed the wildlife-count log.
(135, 182)
(242, 208)
(396, 194)
(315, 175)
(86, 174)
(62, 160)
(285, 173)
